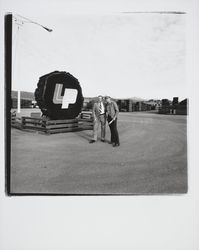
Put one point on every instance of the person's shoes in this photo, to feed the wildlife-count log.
(114, 144)
(92, 141)
(102, 140)
(117, 144)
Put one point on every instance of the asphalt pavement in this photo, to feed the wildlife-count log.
(152, 159)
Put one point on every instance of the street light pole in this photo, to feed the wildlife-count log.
(31, 21)
(8, 100)
(8, 29)
(20, 20)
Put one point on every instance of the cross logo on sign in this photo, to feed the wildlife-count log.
(69, 97)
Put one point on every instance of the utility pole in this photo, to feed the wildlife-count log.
(20, 21)
(8, 79)
(8, 29)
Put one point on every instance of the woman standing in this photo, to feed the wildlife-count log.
(112, 115)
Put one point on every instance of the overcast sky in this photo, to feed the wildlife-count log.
(119, 54)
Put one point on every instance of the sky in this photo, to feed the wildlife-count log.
(118, 54)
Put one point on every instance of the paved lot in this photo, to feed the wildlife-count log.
(152, 159)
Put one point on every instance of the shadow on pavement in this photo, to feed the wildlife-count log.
(84, 134)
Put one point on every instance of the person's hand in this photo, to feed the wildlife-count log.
(111, 121)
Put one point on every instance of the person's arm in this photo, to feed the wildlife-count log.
(105, 110)
(116, 110)
(93, 112)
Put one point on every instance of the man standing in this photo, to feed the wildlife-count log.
(112, 115)
(99, 117)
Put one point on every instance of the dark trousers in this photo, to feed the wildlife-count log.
(113, 129)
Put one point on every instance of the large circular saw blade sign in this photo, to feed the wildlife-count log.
(59, 95)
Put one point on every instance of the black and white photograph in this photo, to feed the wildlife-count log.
(98, 103)
(99, 129)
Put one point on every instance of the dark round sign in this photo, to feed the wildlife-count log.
(59, 95)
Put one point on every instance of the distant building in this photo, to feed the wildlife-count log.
(133, 105)
(163, 106)
(126, 105)
(26, 99)
(88, 103)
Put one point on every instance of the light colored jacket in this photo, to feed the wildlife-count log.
(96, 111)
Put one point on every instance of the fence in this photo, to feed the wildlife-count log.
(55, 126)
(41, 124)
(15, 121)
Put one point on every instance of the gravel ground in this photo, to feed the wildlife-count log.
(152, 159)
